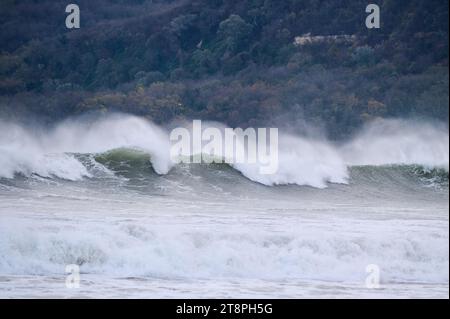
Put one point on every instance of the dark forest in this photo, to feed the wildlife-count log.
(237, 62)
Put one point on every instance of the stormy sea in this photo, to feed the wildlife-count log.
(367, 217)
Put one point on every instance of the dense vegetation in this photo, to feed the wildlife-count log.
(231, 61)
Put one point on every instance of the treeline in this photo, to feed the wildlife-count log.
(230, 61)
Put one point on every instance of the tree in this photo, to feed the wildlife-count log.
(233, 33)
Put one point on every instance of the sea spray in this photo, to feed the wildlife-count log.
(302, 161)
(25, 152)
(387, 142)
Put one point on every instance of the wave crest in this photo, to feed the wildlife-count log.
(128, 143)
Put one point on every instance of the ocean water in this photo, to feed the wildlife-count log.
(104, 196)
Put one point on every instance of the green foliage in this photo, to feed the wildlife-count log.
(364, 55)
(233, 33)
(231, 61)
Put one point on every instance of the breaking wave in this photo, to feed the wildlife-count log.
(167, 252)
(130, 146)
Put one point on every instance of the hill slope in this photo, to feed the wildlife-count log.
(231, 61)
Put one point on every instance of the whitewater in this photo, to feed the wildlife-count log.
(104, 194)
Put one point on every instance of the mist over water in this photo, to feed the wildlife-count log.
(302, 161)
(104, 194)
(399, 142)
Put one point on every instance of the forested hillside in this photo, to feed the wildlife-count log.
(232, 61)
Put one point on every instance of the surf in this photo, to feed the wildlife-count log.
(131, 146)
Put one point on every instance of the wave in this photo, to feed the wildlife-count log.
(50, 153)
(135, 165)
(132, 250)
(301, 162)
(126, 162)
(131, 146)
(400, 176)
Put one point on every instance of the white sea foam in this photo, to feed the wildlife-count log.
(48, 153)
(302, 161)
(175, 252)
(220, 227)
